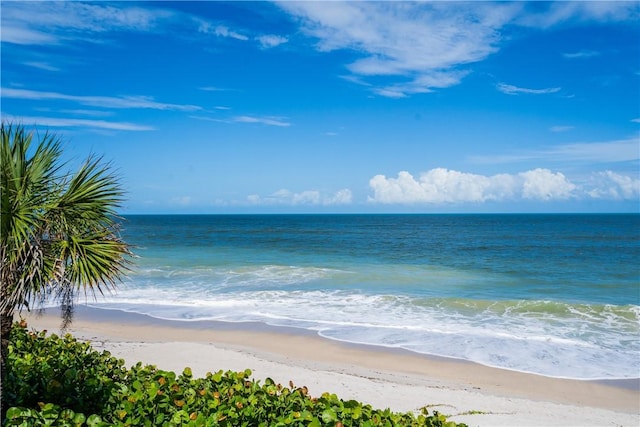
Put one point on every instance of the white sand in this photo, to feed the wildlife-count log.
(465, 392)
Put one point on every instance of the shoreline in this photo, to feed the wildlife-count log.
(466, 391)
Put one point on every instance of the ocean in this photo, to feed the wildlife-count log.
(555, 295)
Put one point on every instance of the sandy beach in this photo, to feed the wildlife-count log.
(403, 381)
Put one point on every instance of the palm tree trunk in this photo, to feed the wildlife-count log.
(6, 323)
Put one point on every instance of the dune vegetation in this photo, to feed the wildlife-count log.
(60, 381)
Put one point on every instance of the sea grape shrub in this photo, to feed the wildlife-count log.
(58, 370)
(147, 396)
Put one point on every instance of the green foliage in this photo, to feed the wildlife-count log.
(62, 382)
(58, 370)
(58, 230)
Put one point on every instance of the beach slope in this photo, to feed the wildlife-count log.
(466, 392)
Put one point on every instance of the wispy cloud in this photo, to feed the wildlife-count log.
(83, 112)
(221, 31)
(210, 119)
(548, 14)
(422, 84)
(636, 120)
(263, 120)
(269, 120)
(623, 150)
(422, 46)
(25, 36)
(304, 198)
(42, 65)
(57, 22)
(132, 102)
(270, 40)
(444, 186)
(514, 90)
(213, 89)
(355, 79)
(583, 54)
(77, 123)
(611, 151)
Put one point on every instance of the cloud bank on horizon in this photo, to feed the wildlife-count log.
(339, 106)
(448, 186)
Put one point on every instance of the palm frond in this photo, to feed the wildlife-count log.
(27, 184)
(92, 193)
(58, 231)
(94, 261)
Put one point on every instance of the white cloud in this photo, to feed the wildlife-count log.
(25, 36)
(97, 101)
(55, 22)
(514, 90)
(271, 40)
(548, 14)
(304, 198)
(356, 80)
(223, 31)
(421, 44)
(265, 120)
(611, 185)
(583, 54)
(342, 197)
(220, 31)
(212, 89)
(441, 186)
(271, 121)
(42, 65)
(81, 112)
(74, 123)
(425, 45)
(422, 84)
(309, 197)
(636, 120)
(542, 184)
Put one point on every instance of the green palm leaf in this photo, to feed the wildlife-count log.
(58, 230)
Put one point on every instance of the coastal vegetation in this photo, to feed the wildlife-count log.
(59, 381)
(58, 229)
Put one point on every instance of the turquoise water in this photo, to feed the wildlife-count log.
(556, 295)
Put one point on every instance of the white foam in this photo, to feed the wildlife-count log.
(544, 337)
(510, 339)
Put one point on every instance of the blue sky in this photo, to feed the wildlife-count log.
(259, 107)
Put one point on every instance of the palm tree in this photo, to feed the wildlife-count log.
(58, 230)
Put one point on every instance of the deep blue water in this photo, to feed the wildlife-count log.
(557, 295)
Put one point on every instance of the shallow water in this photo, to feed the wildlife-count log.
(556, 295)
